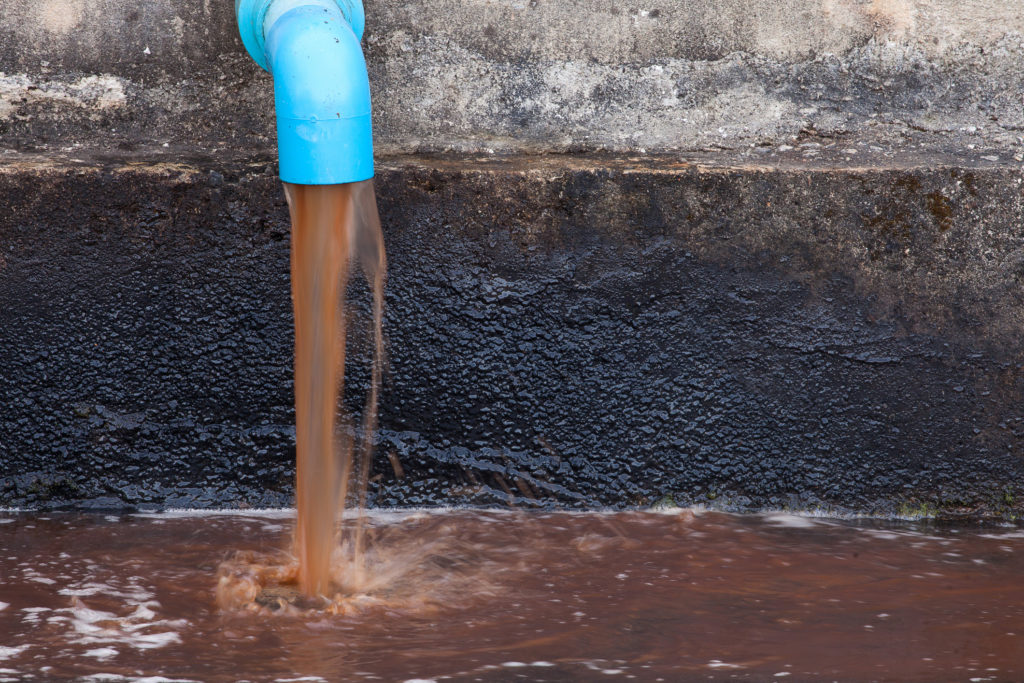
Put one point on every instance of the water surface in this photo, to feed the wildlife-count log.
(503, 596)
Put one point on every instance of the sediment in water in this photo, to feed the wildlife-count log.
(333, 227)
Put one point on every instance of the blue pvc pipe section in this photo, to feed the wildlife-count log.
(321, 88)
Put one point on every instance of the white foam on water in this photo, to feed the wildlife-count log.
(101, 653)
(140, 629)
(133, 592)
(885, 535)
(1004, 535)
(719, 664)
(600, 665)
(376, 514)
(790, 520)
(10, 652)
(4, 605)
(190, 513)
(85, 591)
(818, 515)
(118, 678)
(32, 615)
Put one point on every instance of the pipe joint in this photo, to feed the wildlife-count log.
(321, 88)
(254, 15)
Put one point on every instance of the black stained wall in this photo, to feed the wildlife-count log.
(588, 336)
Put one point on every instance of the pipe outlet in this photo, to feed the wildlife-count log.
(321, 88)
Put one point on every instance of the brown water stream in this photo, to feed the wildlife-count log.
(502, 596)
(332, 225)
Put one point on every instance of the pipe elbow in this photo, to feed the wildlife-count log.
(321, 91)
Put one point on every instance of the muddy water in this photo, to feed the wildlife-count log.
(331, 226)
(487, 596)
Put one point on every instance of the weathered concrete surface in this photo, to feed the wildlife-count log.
(568, 331)
(804, 291)
(536, 75)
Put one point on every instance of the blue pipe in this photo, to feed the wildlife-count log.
(321, 89)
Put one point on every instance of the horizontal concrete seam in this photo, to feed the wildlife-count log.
(540, 171)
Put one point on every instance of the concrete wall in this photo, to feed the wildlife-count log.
(536, 75)
(782, 269)
(561, 332)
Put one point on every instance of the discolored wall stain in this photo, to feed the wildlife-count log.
(562, 332)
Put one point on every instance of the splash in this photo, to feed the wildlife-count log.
(334, 227)
(422, 564)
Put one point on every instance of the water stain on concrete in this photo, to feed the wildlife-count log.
(603, 332)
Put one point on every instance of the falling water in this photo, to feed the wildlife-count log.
(334, 229)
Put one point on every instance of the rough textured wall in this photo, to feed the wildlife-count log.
(535, 75)
(823, 310)
(585, 332)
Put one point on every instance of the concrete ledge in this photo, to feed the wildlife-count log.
(572, 331)
(537, 76)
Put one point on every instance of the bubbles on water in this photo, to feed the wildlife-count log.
(11, 652)
(419, 565)
(119, 678)
(791, 521)
(132, 591)
(139, 628)
(608, 668)
(719, 664)
(461, 595)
